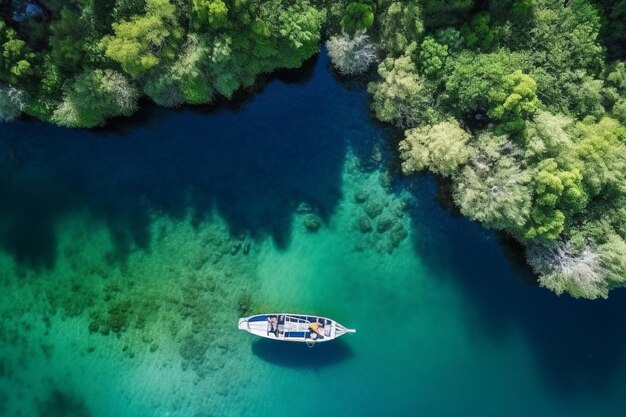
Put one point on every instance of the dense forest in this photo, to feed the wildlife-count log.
(519, 104)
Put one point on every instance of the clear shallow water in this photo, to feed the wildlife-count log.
(128, 253)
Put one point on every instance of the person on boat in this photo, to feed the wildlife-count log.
(317, 328)
(272, 325)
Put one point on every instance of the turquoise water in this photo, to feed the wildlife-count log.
(128, 253)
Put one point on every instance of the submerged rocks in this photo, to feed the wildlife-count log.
(361, 197)
(398, 234)
(365, 225)
(373, 209)
(312, 223)
(376, 154)
(384, 224)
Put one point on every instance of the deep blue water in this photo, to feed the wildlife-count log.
(457, 325)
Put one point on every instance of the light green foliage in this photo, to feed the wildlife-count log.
(432, 57)
(211, 13)
(15, 56)
(555, 190)
(403, 97)
(141, 43)
(480, 33)
(358, 16)
(494, 187)
(299, 26)
(440, 148)
(476, 80)
(546, 136)
(400, 26)
(94, 96)
(514, 101)
(601, 148)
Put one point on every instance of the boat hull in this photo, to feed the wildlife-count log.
(289, 327)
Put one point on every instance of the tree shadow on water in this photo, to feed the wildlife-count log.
(252, 166)
(298, 355)
(579, 344)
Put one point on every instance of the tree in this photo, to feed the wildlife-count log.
(403, 97)
(440, 148)
(66, 41)
(15, 56)
(614, 91)
(514, 101)
(450, 37)
(210, 13)
(400, 26)
(581, 94)
(12, 102)
(94, 96)
(589, 271)
(351, 55)
(357, 17)
(564, 36)
(299, 26)
(432, 57)
(546, 136)
(480, 33)
(600, 148)
(494, 188)
(556, 191)
(141, 43)
(478, 82)
(187, 78)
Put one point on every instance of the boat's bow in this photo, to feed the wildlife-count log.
(341, 330)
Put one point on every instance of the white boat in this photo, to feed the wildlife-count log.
(293, 327)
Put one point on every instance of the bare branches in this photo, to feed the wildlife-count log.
(352, 55)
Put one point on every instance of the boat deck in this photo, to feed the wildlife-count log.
(289, 327)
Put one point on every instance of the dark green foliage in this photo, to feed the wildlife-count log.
(358, 16)
(614, 27)
(439, 13)
(66, 41)
(480, 33)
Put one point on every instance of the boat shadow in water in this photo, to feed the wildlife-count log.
(298, 355)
